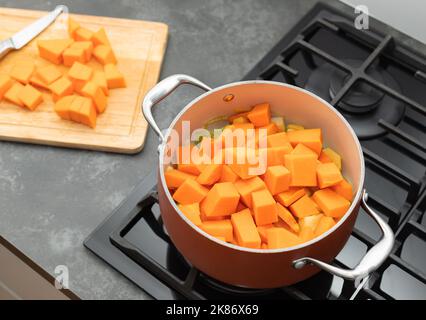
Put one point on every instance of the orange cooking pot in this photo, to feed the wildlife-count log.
(266, 268)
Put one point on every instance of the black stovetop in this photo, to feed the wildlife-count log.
(380, 87)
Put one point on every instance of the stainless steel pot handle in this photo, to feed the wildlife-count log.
(372, 259)
(161, 91)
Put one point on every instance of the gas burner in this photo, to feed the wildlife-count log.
(363, 106)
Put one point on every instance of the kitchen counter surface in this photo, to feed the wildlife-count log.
(52, 198)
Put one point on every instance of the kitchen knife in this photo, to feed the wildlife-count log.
(24, 36)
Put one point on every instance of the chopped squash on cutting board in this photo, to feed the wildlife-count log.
(30, 97)
(22, 71)
(6, 83)
(12, 95)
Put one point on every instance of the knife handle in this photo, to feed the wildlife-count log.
(5, 47)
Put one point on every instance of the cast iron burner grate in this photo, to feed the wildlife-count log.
(359, 71)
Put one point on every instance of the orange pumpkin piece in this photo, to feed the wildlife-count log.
(228, 175)
(279, 139)
(328, 175)
(222, 200)
(30, 97)
(52, 50)
(88, 113)
(72, 27)
(343, 188)
(240, 120)
(311, 138)
(175, 178)
(307, 234)
(210, 174)
(192, 212)
(22, 71)
(303, 207)
(37, 82)
(281, 238)
(5, 84)
(277, 179)
(12, 95)
(245, 229)
(115, 78)
(243, 161)
(220, 228)
(333, 156)
(87, 47)
(262, 231)
(274, 156)
(61, 88)
(260, 115)
(302, 168)
(189, 168)
(100, 79)
(63, 105)
(288, 218)
(238, 115)
(247, 187)
(83, 34)
(48, 74)
(94, 92)
(288, 197)
(270, 129)
(80, 71)
(100, 38)
(72, 55)
(104, 54)
(324, 224)
(324, 158)
(331, 203)
(302, 149)
(310, 221)
(190, 191)
(264, 207)
(74, 110)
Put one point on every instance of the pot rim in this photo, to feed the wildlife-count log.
(355, 200)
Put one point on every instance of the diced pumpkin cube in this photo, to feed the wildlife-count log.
(94, 92)
(307, 234)
(5, 84)
(324, 157)
(210, 174)
(288, 218)
(277, 179)
(262, 230)
(324, 224)
(72, 27)
(220, 228)
(279, 122)
(30, 97)
(189, 168)
(52, 50)
(333, 156)
(281, 238)
(62, 107)
(246, 187)
(245, 229)
(190, 191)
(175, 178)
(72, 55)
(87, 47)
(83, 34)
(100, 38)
(79, 71)
(48, 74)
(331, 203)
(12, 95)
(37, 82)
(279, 139)
(274, 156)
(104, 54)
(302, 149)
(61, 88)
(270, 129)
(243, 161)
(328, 174)
(343, 188)
(302, 168)
(260, 115)
(310, 221)
(222, 200)
(311, 138)
(192, 212)
(264, 207)
(22, 71)
(288, 197)
(228, 175)
(303, 207)
(74, 110)
(100, 79)
(88, 113)
(115, 78)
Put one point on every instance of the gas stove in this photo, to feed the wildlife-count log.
(380, 88)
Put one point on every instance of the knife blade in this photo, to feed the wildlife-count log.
(24, 36)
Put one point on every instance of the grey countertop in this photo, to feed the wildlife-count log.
(52, 198)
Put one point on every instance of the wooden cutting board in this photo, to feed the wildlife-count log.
(139, 47)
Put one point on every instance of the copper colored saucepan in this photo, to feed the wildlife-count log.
(256, 268)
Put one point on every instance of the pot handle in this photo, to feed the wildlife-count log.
(161, 91)
(372, 259)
